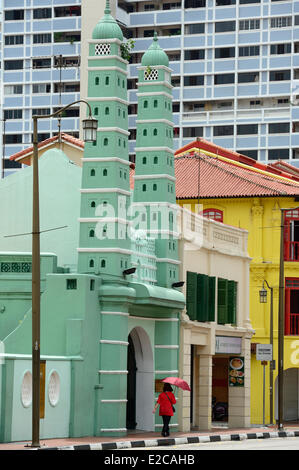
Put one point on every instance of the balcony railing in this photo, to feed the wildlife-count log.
(292, 324)
(291, 252)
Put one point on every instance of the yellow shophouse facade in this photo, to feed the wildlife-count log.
(238, 191)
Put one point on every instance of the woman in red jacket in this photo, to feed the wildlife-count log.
(166, 399)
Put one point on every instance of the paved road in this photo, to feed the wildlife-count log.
(286, 443)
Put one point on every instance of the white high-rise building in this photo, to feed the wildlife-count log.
(235, 68)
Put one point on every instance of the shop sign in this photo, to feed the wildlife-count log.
(236, 371)
(228, 345)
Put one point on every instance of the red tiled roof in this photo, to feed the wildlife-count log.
(201, 144)
(65, 138)
(202, 176)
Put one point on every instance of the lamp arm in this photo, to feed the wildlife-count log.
(60, 111)
(270, 288)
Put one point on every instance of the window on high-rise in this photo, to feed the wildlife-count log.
(245, 25)
(198, 28)
(13, 64)
(42, 13)
(72, 10)
(14, 15)
(67, 36)
(224, 2)
(279, 128)
(195, 3)
(242, 2)
(225, 26)
(247, 77)
(41, 63)
(42, 38)
(14, 40)
(224, 52)
(279, 75)
(13, 89)
(172, 6)
(281, 48)
(195, 54)
(247, 129)
(278, 154)
(193, 132)
(220, 131)
(13, 114)
(12, 139)
(224, 79)
(41, 88)
(249, 51)
(281, 22)
(249, 153)
(193, 80)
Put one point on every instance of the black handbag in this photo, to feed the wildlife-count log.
(173, 408)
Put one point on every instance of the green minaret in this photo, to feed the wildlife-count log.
(154, 187)
(104, 247)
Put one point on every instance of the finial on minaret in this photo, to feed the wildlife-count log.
(107, 10)
(155, 36)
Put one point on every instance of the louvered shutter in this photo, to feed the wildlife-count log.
(191, 300)
(222, 303)
(211, 300)
(232, 302)
(202, 297)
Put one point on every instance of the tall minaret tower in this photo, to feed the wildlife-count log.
(154, 187)
(104, 246)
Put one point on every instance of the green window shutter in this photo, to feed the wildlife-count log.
(211, 301)
(191, 297)
(202, 297)
(232, 302)
(222, 301)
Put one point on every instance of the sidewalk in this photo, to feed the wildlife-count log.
(139, 439)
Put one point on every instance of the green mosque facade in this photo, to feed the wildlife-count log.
(107, 334)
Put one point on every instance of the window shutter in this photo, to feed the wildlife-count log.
(191, 300)
(202, 297)
(222, 301)
(211, 301)
(232, 302)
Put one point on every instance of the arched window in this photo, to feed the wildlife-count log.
(106, 80)
(91, 233)
(155, 103)
(96, 111)
(155, 160)
(92, 172)
(107, 111)
(91, 263)
(145, 104)
(97, 80)
(103, 263)
(144, 187)
(155, 132)
(105, 172)
(154, 187)
(214, 214)
(144, 160)
(92, 204)
(144, 132)
(106, 141)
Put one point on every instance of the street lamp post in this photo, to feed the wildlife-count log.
(263, 299)
(90, 126)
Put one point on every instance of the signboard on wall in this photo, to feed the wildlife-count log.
(236, 371)
(228, 345)
(264, 352)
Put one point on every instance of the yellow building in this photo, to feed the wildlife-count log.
(239, 191)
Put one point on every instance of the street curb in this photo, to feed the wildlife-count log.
(176, 441)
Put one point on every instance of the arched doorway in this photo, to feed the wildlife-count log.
(140, 384)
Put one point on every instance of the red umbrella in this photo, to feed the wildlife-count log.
(177, 382)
